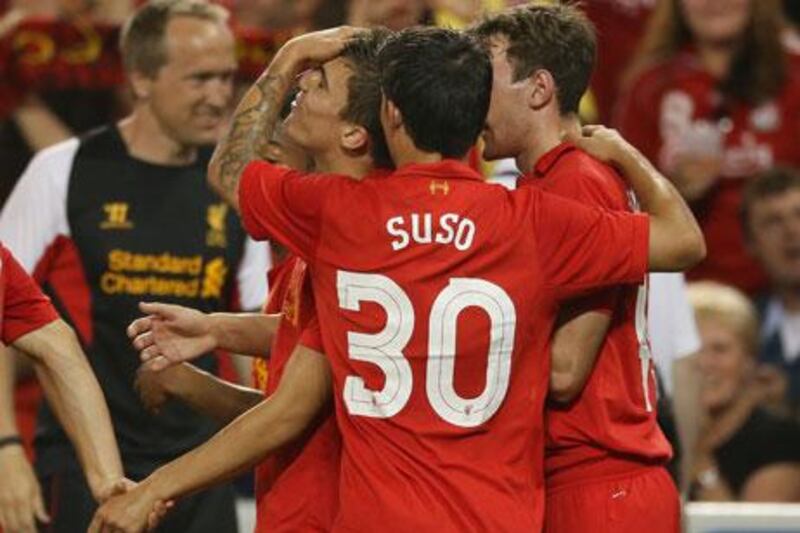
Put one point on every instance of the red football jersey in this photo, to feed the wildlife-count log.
(297, 488)
(615, 414)
(675, 107)
(436, 295)
(23, 307)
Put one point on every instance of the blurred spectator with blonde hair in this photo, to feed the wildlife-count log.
(744, 452)
(714, 99)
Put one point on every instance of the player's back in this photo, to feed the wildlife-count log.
(445, 416)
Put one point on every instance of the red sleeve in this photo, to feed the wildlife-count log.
(25, 308)
(583, 247)
(283, 205)
(312, 336)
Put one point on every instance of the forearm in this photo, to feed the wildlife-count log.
(252, 126)
(74, 394)
(304, 390)
(244, 333)
(8, 423)
(211, 396)
(39, 126)
(574, 348)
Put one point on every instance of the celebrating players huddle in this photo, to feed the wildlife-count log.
(483, 350)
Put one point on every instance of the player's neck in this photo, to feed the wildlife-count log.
(146, 139)
(546, 134)
(717, 57)
(355, 167)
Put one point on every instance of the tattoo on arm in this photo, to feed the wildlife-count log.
(252, 127)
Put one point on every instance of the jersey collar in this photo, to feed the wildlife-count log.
(447, 168)
(547, 161)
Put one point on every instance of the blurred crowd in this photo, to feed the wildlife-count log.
(709, 90)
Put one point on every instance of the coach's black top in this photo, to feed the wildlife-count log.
(103, 231)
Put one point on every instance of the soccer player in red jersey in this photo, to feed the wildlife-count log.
(409, 270)
(29, 323)
(605, 451)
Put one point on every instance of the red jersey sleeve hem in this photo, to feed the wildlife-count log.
(19, 328)
(248, 190)
(311, 337)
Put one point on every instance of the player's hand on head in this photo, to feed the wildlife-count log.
(21, 503)
(170, 334)
(315, 48)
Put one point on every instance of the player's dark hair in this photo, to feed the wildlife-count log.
(558, 38)
(364, 91)
(774, 182)
(441, 81)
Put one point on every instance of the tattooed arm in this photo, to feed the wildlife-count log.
(256, 116)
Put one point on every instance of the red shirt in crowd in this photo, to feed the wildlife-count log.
(408, 271)
(675, 108)
(615, 414)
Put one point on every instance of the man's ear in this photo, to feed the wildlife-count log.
(141, 84)
(393, 118)
(541, 89)
(354, 138)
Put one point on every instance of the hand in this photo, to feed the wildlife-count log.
(315, 48)
(131, 512)
(21, 504)
(170, 334)
(770, 386)
(602, 143)
(154, 387)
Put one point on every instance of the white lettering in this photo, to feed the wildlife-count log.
(394, 231)
(451, 228)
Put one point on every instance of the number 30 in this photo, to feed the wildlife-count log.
(385, 349)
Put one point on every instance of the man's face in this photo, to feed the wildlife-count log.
(507, 124)
(191, 94)
(315, 124)
(775, 236)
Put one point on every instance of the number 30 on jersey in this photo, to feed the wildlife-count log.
(385, 348)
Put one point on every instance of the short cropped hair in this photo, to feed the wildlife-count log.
(558, 38)
(441, 81)
(364, 91)
(142, 38)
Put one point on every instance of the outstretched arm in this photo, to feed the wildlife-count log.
(256, 116)
(676, 242)
(75, 396)
(304, 390)
(172, 334)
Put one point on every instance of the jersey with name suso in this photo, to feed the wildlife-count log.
(615, 414)
(102, 231)
(23, 307)
(436, 295)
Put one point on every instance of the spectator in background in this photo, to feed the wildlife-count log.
(714, 99)
(394, 14)
(744, 453)
(771, 220)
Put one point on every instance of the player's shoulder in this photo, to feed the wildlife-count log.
(582, 177)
